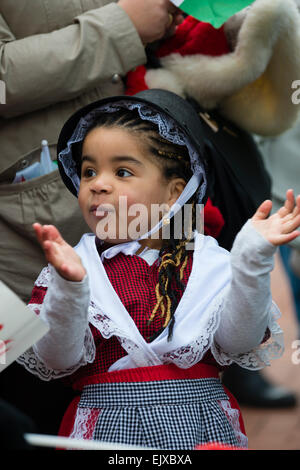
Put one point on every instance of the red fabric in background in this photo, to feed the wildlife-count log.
(135, 80)
(213, 220)
(191, 37)
(195, 37)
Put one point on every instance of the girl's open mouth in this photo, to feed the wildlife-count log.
(102, 210)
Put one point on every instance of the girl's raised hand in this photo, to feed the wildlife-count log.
(59, 253)
(281, 227)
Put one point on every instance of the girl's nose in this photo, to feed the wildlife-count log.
(101, 184)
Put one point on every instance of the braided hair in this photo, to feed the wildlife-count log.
(174, 162)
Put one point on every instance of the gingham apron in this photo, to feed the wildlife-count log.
(163, 411)
(161, 414)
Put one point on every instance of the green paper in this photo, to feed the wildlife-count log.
(215, 12)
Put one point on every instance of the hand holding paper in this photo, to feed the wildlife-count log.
(20, 327)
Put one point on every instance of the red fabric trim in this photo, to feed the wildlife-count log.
(67, 423)
(217, 446)
(195, 37)
(213, 219)
(234, 404)
(149, 374)
(135, 80)
(37, 295)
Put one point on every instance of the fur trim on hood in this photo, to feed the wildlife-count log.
(251, 85)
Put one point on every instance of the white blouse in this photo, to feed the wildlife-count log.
(226, 307)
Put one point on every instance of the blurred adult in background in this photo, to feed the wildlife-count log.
(55, 57)
(282, 159)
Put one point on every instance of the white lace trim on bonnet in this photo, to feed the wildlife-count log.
(167, 128)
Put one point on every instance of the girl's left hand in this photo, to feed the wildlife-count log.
(279, 228)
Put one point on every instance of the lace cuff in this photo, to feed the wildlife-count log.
(34, 364)
(261, 356)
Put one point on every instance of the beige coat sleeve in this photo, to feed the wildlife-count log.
(45, 69)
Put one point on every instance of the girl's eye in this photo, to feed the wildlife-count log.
(89, 173)
(123, 173)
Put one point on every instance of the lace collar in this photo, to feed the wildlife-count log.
(128, 248)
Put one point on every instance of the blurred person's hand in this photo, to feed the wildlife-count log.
(153, 19)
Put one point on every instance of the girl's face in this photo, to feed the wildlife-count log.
(122, 186)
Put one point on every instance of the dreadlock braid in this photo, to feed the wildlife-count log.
(172, 257)
(174, 161)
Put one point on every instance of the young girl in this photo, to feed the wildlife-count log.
(143, 316)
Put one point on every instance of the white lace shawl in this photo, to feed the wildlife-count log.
(198, 317)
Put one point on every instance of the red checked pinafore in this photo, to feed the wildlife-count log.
(128, 406)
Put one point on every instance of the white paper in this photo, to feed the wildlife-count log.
(59, 442)
(20, 327)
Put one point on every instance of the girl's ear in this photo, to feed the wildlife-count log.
(176, 186)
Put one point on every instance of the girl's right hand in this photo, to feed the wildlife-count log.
(59, 253)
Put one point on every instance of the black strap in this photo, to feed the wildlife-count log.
(240, 180)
